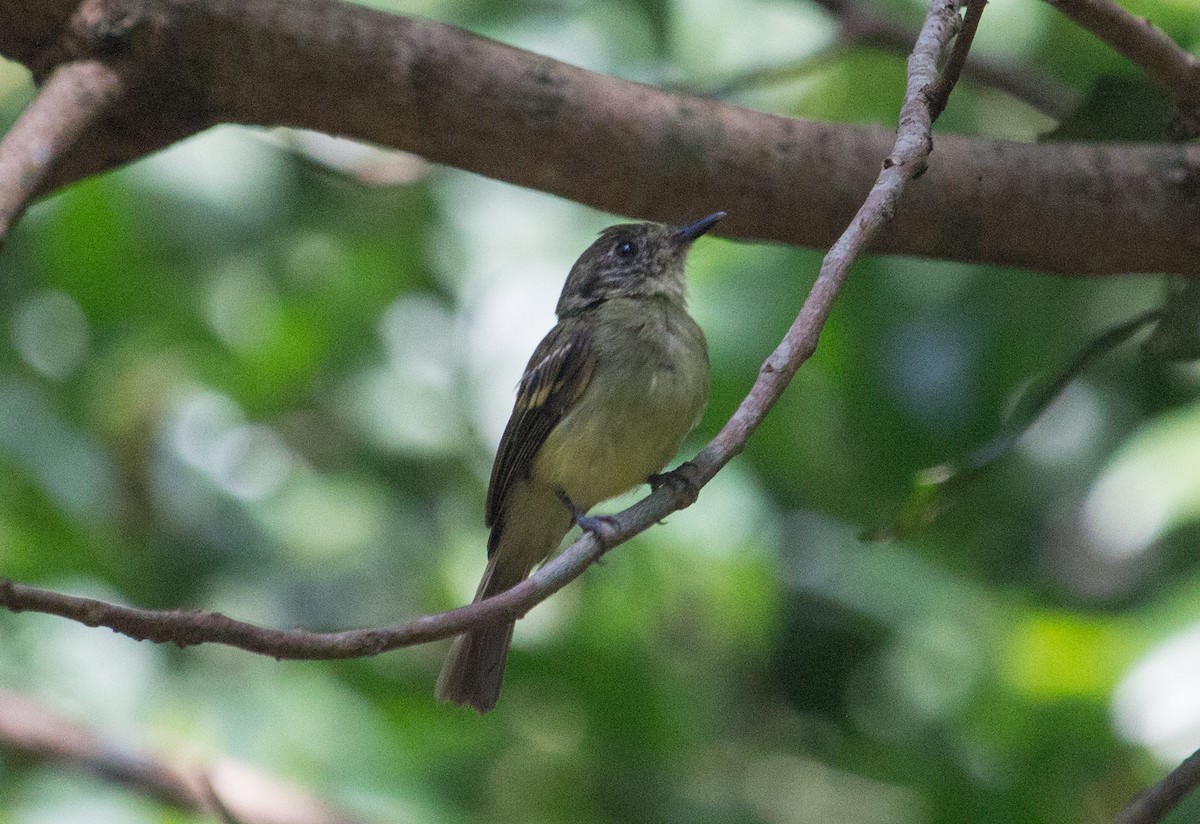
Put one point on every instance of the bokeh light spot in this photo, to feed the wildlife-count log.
(51, 334)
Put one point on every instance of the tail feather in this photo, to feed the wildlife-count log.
(533, 524)
(474, 670)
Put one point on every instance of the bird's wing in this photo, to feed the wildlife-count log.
(557, 376)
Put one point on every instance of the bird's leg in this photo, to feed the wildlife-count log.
(681, 478)
(603, 527)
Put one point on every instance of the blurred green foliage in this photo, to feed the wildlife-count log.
(232, 378)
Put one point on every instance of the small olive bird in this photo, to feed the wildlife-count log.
(605, 401)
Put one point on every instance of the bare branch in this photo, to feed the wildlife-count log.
(624, 147)
(228, 789)
(72, 100)
(958, 58)
(1165, 61)
(1156, 803)
(862, 24)
(912, 146)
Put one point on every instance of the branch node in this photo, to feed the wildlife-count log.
(106, 28)
(606, 528)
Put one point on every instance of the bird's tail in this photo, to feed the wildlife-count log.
(534, 523)
(474, 670)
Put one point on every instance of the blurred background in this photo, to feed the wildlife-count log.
(265, 373)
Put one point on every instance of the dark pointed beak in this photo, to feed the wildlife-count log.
(686, 234)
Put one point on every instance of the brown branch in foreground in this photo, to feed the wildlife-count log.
(1156, 803)
(228, 790)
(75, 96)
(911, 148)
(458, 99)
(862, 24)
(1166, 62)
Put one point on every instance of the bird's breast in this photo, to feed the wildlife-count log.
(647, 393)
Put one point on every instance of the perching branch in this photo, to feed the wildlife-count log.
(72, 100)
(462, 100)
(914, 142)
(1155, 804)
(1167, 63)
(907, 159)
(227, 789)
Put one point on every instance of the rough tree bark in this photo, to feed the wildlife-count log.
(620, 146)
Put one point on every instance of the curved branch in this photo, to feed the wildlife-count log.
(1156, 803)
(72, 100)
(907, 160)
(627, 148)
(861, 23)
(229, 789)
(1166, 62)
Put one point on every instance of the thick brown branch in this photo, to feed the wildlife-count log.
(1156, 803)
(1165, 61)
(73, 99)
(248, 796)
(907, 159)
(628, 148)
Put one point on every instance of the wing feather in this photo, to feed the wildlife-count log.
(557, 375)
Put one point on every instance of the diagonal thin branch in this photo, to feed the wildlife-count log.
(228, 789)
(914, 142)
(72, 100)
(1156, 803)
(1166, 62)
(912, 146)
(860, 23)
(958, 57)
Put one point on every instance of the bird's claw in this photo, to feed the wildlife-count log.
(681, 478)
(604, 527)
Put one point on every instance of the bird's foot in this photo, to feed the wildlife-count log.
(682, 479)
(604, 527)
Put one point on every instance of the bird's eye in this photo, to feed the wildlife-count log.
(627, 249)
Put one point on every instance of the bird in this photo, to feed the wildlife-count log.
(603, 405)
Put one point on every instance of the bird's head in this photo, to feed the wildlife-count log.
(632, 260)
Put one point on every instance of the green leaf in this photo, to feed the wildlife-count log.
(930, 489)
(1119, 108)
(1176, 337)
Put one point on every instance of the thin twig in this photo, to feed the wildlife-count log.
(1156, 803)
(229, 790)
(1031, 410)
(1166, 62)
(933, 487)
(958, 57)
(862, 24)
(73, 99)
(767, 75)
(911, 148)
(913, 144)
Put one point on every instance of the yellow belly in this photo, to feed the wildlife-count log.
(621, 432)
